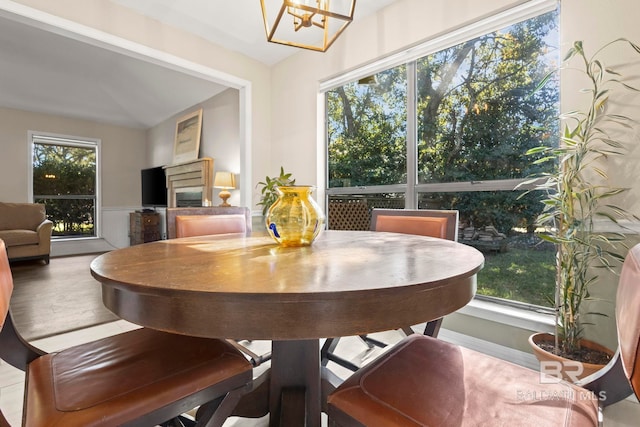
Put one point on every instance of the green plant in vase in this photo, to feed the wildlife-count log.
(268, 193)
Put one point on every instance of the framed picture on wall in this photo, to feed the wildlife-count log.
(187, 142)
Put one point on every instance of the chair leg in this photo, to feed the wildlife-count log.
(371, 342)
(327, 355)
(255, 359)
(432, 328)
(178, 422)
(408, 330)
(328, 347)
(216, 412)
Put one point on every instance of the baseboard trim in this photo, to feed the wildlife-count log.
(80, 246)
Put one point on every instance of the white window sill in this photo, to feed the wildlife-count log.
(508, 315)
(525, 318)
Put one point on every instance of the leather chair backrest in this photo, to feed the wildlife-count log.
(628, 317)
(202, 225)
(206, 211)
(442, 224)
(424, 226)
(6, 283)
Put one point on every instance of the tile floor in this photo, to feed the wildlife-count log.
(622, 414)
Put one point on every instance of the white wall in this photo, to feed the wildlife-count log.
(220, 138)
(14, 162)
(284, 99)
(403, 24)
(123, 155)
(295, 80)
(597, 22)
(250, 78)
(121, 22)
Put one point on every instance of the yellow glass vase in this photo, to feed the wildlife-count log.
(295, 219)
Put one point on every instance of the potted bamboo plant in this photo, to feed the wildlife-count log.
(578, 196)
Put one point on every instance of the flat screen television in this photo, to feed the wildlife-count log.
(154, 187)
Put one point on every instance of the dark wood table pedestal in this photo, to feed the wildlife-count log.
(294, 390)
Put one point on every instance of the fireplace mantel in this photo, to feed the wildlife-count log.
(195, 176)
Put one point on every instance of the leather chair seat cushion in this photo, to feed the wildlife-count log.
(427, 382)
(128, 370)
(19, 237)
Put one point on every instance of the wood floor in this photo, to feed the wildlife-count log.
(56, 298)
(60, 305)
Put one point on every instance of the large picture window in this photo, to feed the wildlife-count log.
(450, 130)
(65, 172)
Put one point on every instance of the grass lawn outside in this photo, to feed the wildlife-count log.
(525, 274)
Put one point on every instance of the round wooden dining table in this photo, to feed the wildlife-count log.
(346, 283)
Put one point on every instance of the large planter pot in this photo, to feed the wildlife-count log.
(570, 370)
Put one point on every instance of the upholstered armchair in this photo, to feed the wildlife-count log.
(26, 231)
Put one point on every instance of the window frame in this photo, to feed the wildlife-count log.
(412, 188)
(35, 137)
(409, 57)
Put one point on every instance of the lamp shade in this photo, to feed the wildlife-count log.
(308, 24)
(224, 180)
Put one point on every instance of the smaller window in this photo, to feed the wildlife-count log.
(64, 172)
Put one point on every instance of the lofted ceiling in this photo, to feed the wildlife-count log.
(45, 72)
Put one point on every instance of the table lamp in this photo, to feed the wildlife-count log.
(225, 181)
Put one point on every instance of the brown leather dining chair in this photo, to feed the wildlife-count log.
(233, 221)
(439, 223)
(138, 378)
(442, 224)
(201, 221)
(427, 382)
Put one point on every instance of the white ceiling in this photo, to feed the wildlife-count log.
(45, 72)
